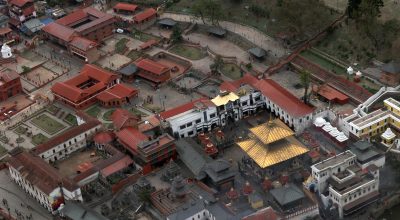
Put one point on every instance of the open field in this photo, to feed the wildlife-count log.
(231, 70)
(191, 53)
(39, 139)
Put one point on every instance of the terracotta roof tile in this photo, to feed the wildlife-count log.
(144, 15)
(125, 6)
(82, 43)
(59, 31)
(19, 3)
(117, 166)
(131, 138)
(152, 66)
(119, 91)
(120, 116)
(8, 75)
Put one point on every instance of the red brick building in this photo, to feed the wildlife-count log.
(153, 71)
(149, 153)
(20, 11)
(122, 118)
(10, 84)
(118, 95)
(80, 91)
(81, 31)
(145, 19)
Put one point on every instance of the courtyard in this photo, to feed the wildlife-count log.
(47, 124)
(189, 52)
(69, 167)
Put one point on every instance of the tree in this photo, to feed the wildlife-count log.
(208, 9)
(144, 195)
(217, 65)
(305, 78)
(176, 35)
(352, 7)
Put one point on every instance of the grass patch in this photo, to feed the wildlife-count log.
(47, 124)
(20, 130)
(107, 115)
(143, 36)
(231, 70)
(134, 54)
(70, 119)
(192, 53)
(137, 112)
(93, 111)
(120, 46)
(39, 139)
(3, 151)
(324, 63)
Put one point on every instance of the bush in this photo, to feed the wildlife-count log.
(258, 11)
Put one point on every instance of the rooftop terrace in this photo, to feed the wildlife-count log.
(333, 161)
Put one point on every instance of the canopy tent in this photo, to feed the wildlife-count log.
(217, 31)
(334, 132)
(341, 137)
(258, 52)
(328, 127)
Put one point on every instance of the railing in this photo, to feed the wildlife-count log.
(309, 209)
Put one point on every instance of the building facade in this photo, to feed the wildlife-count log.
(153, 71)
(145, 19)
(20, 11)
(10, 84)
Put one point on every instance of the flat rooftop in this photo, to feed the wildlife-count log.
(332, 161)
(360, 122)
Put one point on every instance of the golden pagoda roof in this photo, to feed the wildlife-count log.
(223, 100)
(272, 131)
(274, 153)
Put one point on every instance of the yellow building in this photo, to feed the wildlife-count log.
(377, 121)
(272, 143)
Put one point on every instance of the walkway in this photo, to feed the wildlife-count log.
(255, 36)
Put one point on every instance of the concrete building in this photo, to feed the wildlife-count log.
(145, 19)
(20, 11)
(191, 118)
(69, 141)
(41, 181)
(342, 180)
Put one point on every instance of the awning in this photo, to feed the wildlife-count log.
(217, 31)
(258, 52)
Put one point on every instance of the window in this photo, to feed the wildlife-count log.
(212, 115)
(190, 133)
(182, 126)
(189, 124)
(182, 135)
(54, 151)
(244, 103)
(198, 121)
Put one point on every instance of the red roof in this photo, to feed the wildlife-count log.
(313, 154)
(131, 138)
(82, 43)
(84, 166)
(103, 137)
(5, 30)
(144, 15)
(119, 91)
(263, 214)
(8, 75)
(120, 116)
(59, 31)
(79, 15)
(70, 90)
(148, 44)
(19, 3)
(185, 107)
(273, 91)
(330, 93)
(116, 166)
(152, 66)
(125, 6)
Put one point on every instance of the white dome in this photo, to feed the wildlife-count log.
(319, 122)
(350, 70)
(358, 73)
(388, 134)
(6, 51)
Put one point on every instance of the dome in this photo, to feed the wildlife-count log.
(358, 73)
(103, 138)
(319, 121)
(350, 70)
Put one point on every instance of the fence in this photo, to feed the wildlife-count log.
(303, 211)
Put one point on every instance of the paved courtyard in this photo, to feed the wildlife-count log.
(69, 167)
(114, 62)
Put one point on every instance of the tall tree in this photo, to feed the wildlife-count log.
(208, 9)
(217, 65)
(176, 35)
(305, 79)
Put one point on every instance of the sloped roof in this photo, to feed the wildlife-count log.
(19, 3)
(59, 31)
(117, 166)
(167, 21)
(267, 213)
(131, 138)
(38, 172)
(119, 91)
(82, 43)
(258, 52)
(128, 70)
(391, 67)
(125, 6)
(271, 131)
(144, 15)
(120, 116)
(8, 75)
(152, 66)
(69, 92)
(217, 31)
(287, 194)
(186, 107)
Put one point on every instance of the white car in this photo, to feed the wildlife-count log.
(120, 31)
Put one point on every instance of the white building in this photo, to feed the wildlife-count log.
(71, 140)
(41, 181)
(191, 118)
(343, 181)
